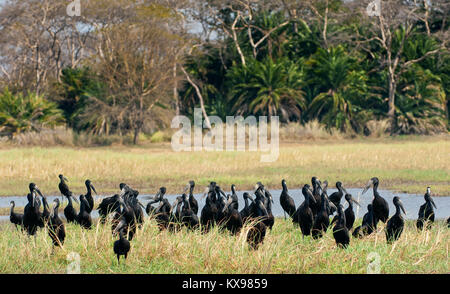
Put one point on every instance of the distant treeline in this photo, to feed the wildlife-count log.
(126, 67)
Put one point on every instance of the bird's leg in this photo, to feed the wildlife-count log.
(284, 215)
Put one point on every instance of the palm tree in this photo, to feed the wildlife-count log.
(208, 71)
(19, 113)
(268, 88)
(338, 86)
(421, 99)
(78, 84)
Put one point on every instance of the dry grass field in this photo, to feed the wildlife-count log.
(401, 165)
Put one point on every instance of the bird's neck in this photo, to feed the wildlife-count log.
(246, 203)
(89, 191)
(307, 201)
(397, 210)
(341, 216)
(350, 204)
(323, 202)
(375, 189)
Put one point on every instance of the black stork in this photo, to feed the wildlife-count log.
(188, 217)
(322, 220)
(315, 206)
(137, 208)
(56, 229)
(159, 197)
(267, 199)
(305, 217)
(337, 196)
(46, 210)
(233, 219)
(340, 231)
(396, 223)
(257, 230)
(426, 211)
(84, 217)
(121, 246)
(349, 213)
(379, 204)
(210, 210)
(14, 217)
(234, 198)
(31, 215)
(173, 219)
(63, 187)
(246, 212)
(220, 202)
(107, 206)
(69, 211)
(127, 220)
(286, 201)
(90, 187)
(163, 218)
(192, 201)
(368, 224)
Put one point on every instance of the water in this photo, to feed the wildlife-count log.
(411, 202)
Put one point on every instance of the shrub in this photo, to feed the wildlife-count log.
(312, 130)
(30, 113)
(159, 137)
(378, 128)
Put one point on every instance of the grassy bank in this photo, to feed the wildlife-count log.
(402, 165)
(283, 251)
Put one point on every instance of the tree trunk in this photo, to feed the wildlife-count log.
(391, 102)
(200, 98)
(136, 135)
(137, 130)
(175, 90)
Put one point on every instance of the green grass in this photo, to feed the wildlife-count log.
(403, 165)
(283, 251)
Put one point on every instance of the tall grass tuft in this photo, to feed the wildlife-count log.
(59, 136)
(378, 128)
(312, 130)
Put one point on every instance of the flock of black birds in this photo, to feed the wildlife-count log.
(312, 216)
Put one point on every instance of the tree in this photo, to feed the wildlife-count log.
(135, 57)
(339, 84)
(24, 113)
(38, 40)
(268, 88)
(76, 86)
(420, 107)
(389, 32)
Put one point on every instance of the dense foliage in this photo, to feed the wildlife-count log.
(140, 65)
(24, 113)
